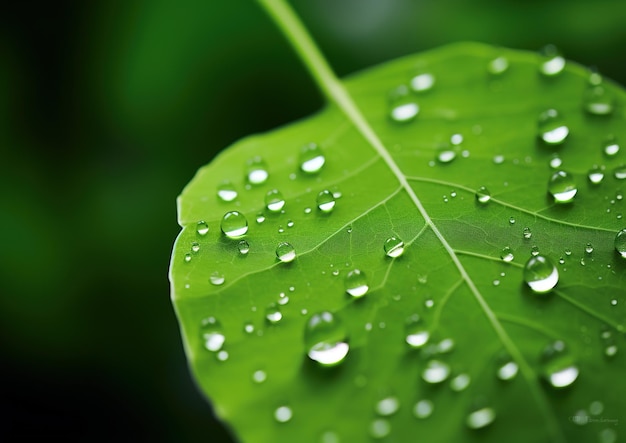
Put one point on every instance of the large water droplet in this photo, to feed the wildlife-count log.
(256, 171)
(326, 340)
(507, 254)
(480, 418)
(283, 414)
(356, 283)
(483, 195)
(558, 367)
(226, 191)
(212, 336)
(552, 63)
(394, 247)
(598, 100)
(234, 224)
(403, 107)
(620, 243)
(422, 82)
(325, 201)
(551, 128)
(311, 158)
(423, 408)
(387, 406)
(436, 371)
(540, 274)
(562, 187)
(416, 335)
(596, 175)
(274, 200)
(285, 252)
(202, 228)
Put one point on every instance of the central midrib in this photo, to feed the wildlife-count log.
(297, 35)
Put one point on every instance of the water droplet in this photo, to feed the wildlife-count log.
(445, 345)
(222, 355)
(380, 428)
(588, 248)
(226, 191)
(511, 220)
(249, 328)
(285, 252)
(598, 100)
(436, 371)
(480, 418)
(507, 254)
(620, 243)
(234, 224)
(610, 146)
(217, 278)
(595, 175)
(483, 195)
(256, 171)
(311, 158)
(243, 247)
(212, 336)
(498, 159)
(274, 200)
(614, 302)
(273, 314)
(534, 251)
(283, 414)
(558, 367)
(416, 335)
(562, 187)
(387, 406)
(429, 303)
(551, 128)
(403, 107)
(596, 408)
(446, 154)
(422, 82)
(555, 162)
(507, 371)
(581, 417)
(260, 218)
(526, 233)
(326, 340)
(498, 65)
(195, 246)
(460, 382)
(394, 247)
(356, 283)
(187, 258)
(552, 63)
(540, 274)
(620, 172)
(423, 408)
(202, 228)
(325, 201)
(259, 376)
(608, 435)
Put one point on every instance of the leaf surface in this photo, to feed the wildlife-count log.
(478, 311)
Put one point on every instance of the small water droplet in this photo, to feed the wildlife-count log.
(608, 435)
(423, 408)
(195, 247)
(211, 333)
(540, 274)
(595, 174)
(620, 243)
(217, 278)
(273, 313)
(483, 195)
(596, 408)
(380, 428)
(311, 158)
(552, 63)
(387, 406)
(325, 201)
(416, 335)
(260, 218)
(435, 372)
(274, 200)
(422, 82)
(226, 191)
(460, 382)
(511, 220)
(558, 367)
(610, 147)
(202, 228)
(234, 224)
(259, 376)
(480, 418)
(507, 254)
(394, 247)
(283, 414)
(187, 258)
(403, 107)
(534, 251)
(598, 100)
(562, 187)
(614, 302)
(498, 159)
(555, 162)
(551, 128)
(329, 437)
(307, 210)
(620, 172)
(222, 355)
(498, 65)
(507, 371)
(356, 283)
(588, 248)
(429, 303)
(446, 154)
(248, 328)
(285, 252)
(243, 247)
(256, 171)
(326, 339)
(445, 345)
(526, 233)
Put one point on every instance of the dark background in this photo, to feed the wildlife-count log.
(107, 109)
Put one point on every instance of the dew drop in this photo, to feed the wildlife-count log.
(326, 340)
(195, 247)
(446, 154)
(595, 175)
(273, 314)
(551, 128)
(445, 345)
(394, 247)
(259, 376)
(211, 333)
(498, 65)
(403, 107)
(558, 367)
(234, 224)
(610, 147)
(534, 251)
(480, 418)
(325, 201)
(356, 283)
(562, 187)
(226, 191)
(387, 406)
(311, 158)
(416, 335)
(217, 278)
(526, 233)
(187, 258)
(540, 274)
(511, 220)
(556, 162)
(285, 252)
(423, 408)
(260, 218)
(202, 228)
(435, 372)
(483, 195)
(588, 248)
(460, 382)
(256, 171)
(243, 247)
(380, 428)
(507, 254)
(283, 414)
(598, 100)
(620, 172)
(498, 159)
(422, 82)
(620, 243)
(274, 200)
(608, 435)
(596, 408)
(552, 63)
(222, 355)
(249, 328)
(507, 371)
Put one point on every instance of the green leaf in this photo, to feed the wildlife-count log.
(392, 179)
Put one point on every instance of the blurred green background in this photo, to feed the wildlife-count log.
(107, 109)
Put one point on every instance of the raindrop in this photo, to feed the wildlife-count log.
(526, 233)
(274, 200)
(326, 340)
(259, 376)
(483, 195)
(394, 247)
(325, 201)
(422, 82)
(416, 335)
(423, 409)
(620, 172)
(480, 418)
(551, 128)
(562, 187)
(403, 108)
(552, 63)
(234, 224)
(460, 382)
(446, 154)
(285, 252)
(595, 175)
(212, 336)
(283, 414)
(540, 274)
(507, 254)
(558, 367)
(356, 283)
(597, 100)
(202, 228)
(311, 158)
(256, 171)
(435, 372)
(226, 191)
(498, 65)
(380, 428)
(273, 314)
(620, 243)
(243, 247)
(387, 406)
(217, 278)
(610, 146)
(507, 371)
